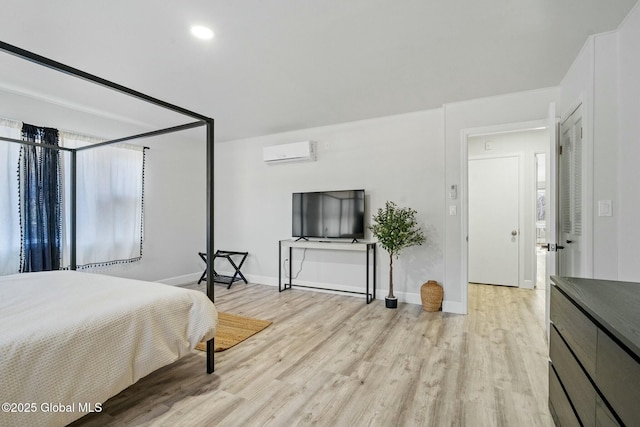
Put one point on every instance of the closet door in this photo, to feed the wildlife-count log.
(570, 197)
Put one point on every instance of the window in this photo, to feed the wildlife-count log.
(110, 185)
(109, 201)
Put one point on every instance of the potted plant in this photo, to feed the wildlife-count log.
(395, 228)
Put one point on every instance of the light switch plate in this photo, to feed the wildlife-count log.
(605, 208)
(453, 210)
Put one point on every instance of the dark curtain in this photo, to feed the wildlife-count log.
(40, 201)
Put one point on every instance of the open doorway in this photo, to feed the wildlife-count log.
(506, 200)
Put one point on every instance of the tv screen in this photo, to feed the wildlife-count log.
(328, 214)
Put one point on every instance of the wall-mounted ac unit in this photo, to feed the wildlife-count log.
(304, 151)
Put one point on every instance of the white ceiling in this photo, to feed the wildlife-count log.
(278, 65)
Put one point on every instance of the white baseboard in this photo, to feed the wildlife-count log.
(263, 280)
(404, 297)
(332, 288)
(455, 307)
(181, 280)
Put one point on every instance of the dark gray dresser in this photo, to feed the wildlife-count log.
(594, 352)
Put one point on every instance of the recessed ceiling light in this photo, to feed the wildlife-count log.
(201, 32)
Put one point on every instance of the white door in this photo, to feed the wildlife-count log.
(494, 200)
(570, 196)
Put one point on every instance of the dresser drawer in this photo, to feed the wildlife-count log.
(576, 383)
(604, 418)
(618, 378)
(576, 328)
(559, 405)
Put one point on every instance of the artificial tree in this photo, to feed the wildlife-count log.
(395, 228)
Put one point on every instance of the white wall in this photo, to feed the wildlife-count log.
(499, 110)
(605, 157)
(577, 85)
(606, 77)
(525, 144)
(629, 147)
(397, 158)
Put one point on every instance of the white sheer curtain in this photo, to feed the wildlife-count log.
(109, 202)
(9, 214)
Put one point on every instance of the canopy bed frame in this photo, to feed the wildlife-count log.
(200, 120)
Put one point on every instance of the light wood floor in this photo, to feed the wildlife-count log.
(332, 360)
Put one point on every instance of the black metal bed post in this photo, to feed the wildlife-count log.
(210, 245)
(35, 144)
(73, 214)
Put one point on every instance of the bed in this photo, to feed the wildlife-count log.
(72, 338)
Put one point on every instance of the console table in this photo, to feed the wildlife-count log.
(333, 246)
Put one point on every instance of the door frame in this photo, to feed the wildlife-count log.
(465, 134)
(521, 178)
(586, 243)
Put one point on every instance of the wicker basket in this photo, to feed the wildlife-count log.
(431, 294)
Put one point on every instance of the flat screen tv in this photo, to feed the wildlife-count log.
(328, 214)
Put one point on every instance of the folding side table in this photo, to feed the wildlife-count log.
(228, 255)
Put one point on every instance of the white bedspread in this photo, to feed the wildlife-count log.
(71, 340)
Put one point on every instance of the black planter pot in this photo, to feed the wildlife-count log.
(391, 302)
